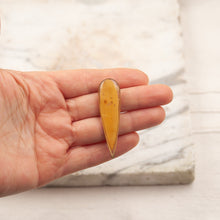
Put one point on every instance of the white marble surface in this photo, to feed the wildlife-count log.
(100, 34)
(200, 200)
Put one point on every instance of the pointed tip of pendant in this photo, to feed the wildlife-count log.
(112, 154)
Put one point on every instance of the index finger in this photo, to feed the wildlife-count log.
(73, 83)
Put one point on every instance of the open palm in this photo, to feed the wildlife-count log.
(50, 124)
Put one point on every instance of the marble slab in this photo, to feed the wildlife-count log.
(68, 34)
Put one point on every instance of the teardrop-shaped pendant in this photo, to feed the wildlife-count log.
(109, 106)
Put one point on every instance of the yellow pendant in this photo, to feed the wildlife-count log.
(109, 106)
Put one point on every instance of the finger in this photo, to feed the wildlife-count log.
(89, 131)
(82, 157)
(132, 98)
(73, 83)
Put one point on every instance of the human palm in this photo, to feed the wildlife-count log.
(50, 124)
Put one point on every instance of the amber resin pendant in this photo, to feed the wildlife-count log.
(109, 106)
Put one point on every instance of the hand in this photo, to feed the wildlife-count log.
(50, 124)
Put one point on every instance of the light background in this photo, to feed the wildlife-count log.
(200, 200)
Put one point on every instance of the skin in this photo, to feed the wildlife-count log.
(50, 124)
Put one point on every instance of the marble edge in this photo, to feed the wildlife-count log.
(159, 178)
(184, 175)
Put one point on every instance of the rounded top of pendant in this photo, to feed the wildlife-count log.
(109, 82)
